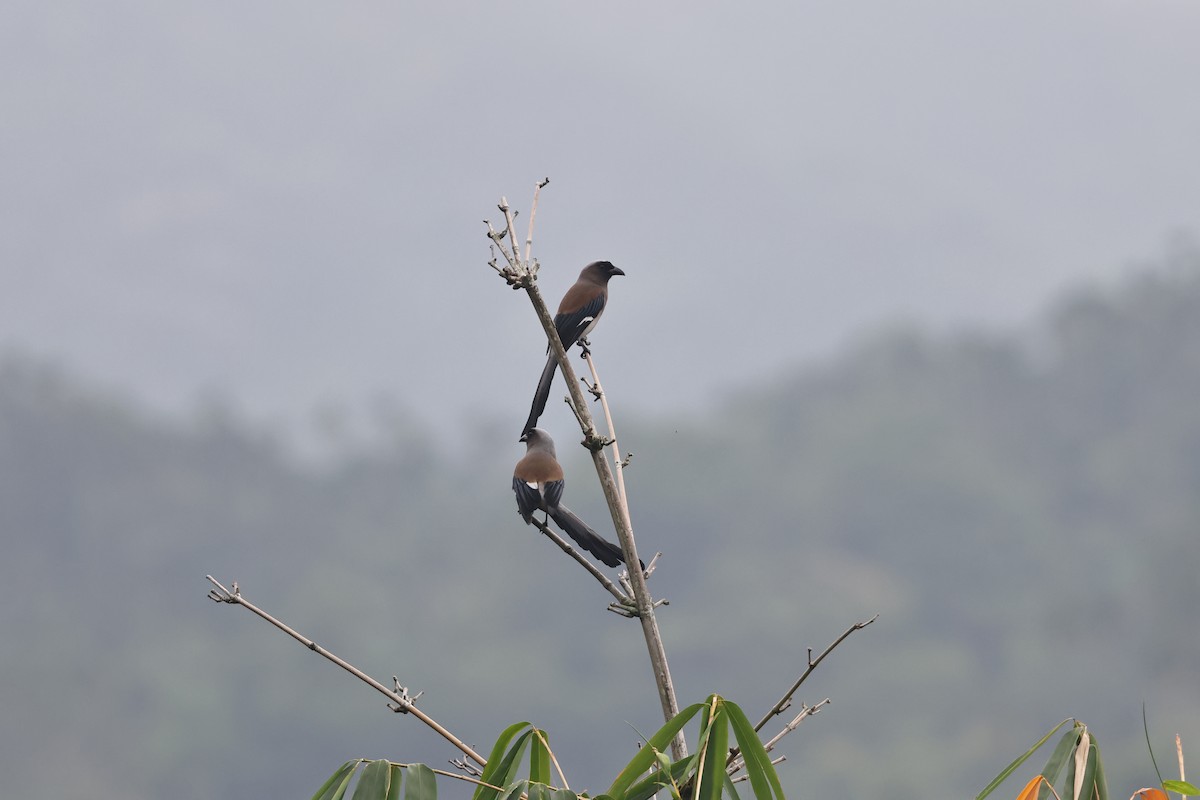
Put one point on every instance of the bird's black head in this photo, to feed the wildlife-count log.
(536, 437)
(602, 270)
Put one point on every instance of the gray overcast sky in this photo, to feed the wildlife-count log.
(283, 200)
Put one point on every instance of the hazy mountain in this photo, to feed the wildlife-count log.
(1019, 509)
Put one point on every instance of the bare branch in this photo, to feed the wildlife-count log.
(510, 218)
(401, 701)
(533, 213)
(498, 238)
(454, 775)
(805, 712)
(786, 700)
(566, 547)
(598, 391)
(774, 762)
(737, 763)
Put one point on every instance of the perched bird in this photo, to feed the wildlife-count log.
(578, 313)
(538, 485)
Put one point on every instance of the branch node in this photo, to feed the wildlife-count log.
(593, 388)
(595, 442)
(405, 701)
(627, 609)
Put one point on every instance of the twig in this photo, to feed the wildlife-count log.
(611, 587)
(533, 213)
(738, 763)
(497, 238)
(447, 773)
(403, 702)
(598, 391)
(510, 218)
(786, 700)
(746, 777)
(805, 712)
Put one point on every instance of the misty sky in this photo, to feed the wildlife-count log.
(283, 201)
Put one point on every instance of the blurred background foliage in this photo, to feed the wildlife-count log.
(1020, 507)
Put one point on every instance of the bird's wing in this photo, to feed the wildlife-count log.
(529, 499)
(572, 324)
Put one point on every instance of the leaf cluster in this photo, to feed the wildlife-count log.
(705, 775)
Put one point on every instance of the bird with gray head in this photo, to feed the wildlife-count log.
(538, 484)
(578, 313)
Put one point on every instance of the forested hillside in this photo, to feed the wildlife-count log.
(1021, 509)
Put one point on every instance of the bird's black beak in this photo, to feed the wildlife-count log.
(616, 271)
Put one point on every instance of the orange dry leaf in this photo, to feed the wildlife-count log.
(1149, 794)
(1030, 792)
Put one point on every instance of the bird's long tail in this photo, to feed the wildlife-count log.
(542, 393)
(587, 538)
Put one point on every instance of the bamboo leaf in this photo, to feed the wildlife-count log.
(1101, 781)
(539, 758)
(712, 774)
(730, 789)
(395, 782)
(510, 764)
(1180, 787)
(373, 783)
(1021, 759)
(763, 778)
(500, 768)
(339, 778)
(1059, 758)
(563, 794)
(515, 790)
(672, 777)
(660, 741)
(421, 784)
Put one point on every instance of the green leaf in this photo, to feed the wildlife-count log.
(339, 778)
(537, 791)
(730, 789)
(660, 741)
(672, 776)
(539, 758)
(1101, 781)
(563, 794)
(1181, 787)
(373, 783)
(1011, 768)
(763, 778)
(421, 784)
(515, 790)
(712, 777)
(493, 773)
(1058, 758)
(395, 782)
(510, 763)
